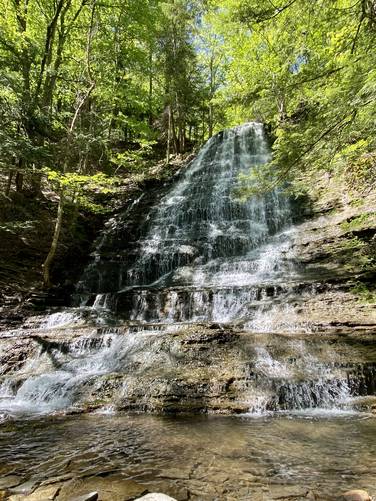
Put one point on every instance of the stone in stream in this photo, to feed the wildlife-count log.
(26, 487)
(156, 496)
(10, 481)
(111, 488)
(92, 496)
(356, 495)
(278, 491)
(56, 480)
(41, 494)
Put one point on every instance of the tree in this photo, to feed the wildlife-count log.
(89, 88)
(182, 84)
(306, 69)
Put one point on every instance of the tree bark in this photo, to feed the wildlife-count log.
(210, 120)
(173, 131)
(55, 239)
(168, 136)
(19, 181)
(48, 49)
(150, 86)
(9, 182)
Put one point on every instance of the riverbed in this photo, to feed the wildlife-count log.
(200, 458)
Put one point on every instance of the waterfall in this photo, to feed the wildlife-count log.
(206, 277)
(206, 255)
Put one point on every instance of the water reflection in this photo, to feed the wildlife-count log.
(211, 457)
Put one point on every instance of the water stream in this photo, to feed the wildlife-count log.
(211, 458)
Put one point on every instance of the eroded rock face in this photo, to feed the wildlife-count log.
(335, 250)
(199, 368)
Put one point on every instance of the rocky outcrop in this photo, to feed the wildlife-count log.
(335, 250)
(200, 369)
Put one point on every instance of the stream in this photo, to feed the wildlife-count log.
(210, 457)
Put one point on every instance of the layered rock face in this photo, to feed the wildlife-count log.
(214, 305)
(186, 369)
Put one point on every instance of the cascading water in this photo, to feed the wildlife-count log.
(205, 257)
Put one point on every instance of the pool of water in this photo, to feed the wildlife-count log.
(204, 458)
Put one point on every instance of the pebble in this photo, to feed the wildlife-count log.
(356, 495)
(156, 496)
(91, 496)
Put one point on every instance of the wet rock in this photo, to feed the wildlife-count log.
(312, 496)
(355, 495)
(174, 473)
(10, 481)
(110, 488)
(287, 492)
(92, 496)
(25, 487)
(41, 494)
(55, 480)
(156, 496)
(170, 487)
(44, 493)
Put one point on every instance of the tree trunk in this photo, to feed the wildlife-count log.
(9, 182)
(151, 86)
(168, 136)
(19, 181)
(36, 182)
(60, 211)
(51, 255)
(173, 131)
(203, 124)
(210, 120)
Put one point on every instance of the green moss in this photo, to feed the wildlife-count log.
(352, 243)
(359, 222)
(364, 293)
(357, 202)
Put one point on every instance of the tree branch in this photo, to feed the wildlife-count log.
(263, 16)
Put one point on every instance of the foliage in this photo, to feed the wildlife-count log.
(90, 91)
(306, 68)
(82, 190)
(365, 220)
(109, 69)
